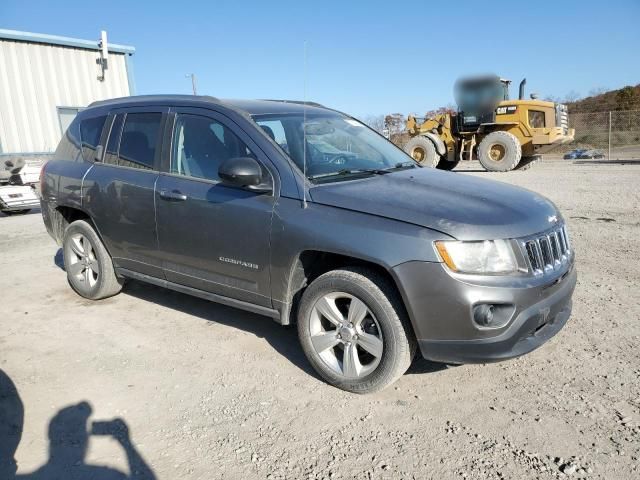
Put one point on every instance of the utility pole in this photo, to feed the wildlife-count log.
(193, 82)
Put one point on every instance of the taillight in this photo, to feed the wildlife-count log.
(41, 179)
(42, 172)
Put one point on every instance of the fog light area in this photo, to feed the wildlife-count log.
(491, 315)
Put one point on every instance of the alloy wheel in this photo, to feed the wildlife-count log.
(346, 335)
(83, 265)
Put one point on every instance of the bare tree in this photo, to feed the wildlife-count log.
(571, 97)
(594, 92)
(395, 123)
(449, 108)
(375, 121)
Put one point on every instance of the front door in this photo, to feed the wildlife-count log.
(213, 237)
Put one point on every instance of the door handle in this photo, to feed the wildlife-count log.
(173, 195)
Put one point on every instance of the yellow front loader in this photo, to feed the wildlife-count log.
(501, 133)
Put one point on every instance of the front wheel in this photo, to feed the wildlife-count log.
(499, 151)
(354, 330)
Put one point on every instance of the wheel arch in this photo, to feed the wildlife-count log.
(63, 216)
(441, 149)
(308, 265)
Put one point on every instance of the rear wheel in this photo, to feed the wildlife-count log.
(88, 264)
(499, 151)
(354, 330)
(423, 151)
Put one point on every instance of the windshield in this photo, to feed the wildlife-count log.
(336, 147)
(479, 95)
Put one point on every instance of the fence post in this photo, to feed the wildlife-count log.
(609, 154)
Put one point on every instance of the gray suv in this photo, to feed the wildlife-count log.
(305, 215)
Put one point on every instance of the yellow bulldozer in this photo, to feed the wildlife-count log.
(501, 133)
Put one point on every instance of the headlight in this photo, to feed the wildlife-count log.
(488, 256)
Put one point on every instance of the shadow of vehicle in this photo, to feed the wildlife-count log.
(283, 339)
(68, 442)
(58, 259)
(421, 366)
(32, 211)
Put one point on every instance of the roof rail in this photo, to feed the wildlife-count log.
(135, 98)
(298, 102)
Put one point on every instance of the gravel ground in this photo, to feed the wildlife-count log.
(204, 391)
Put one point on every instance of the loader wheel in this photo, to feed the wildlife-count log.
(445, 164)
(423, 151)
(527, 162)
(499, 151)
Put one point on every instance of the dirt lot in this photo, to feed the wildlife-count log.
(206, 391)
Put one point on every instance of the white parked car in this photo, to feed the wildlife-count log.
(18, 183)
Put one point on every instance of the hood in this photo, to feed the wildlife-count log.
(462, 206)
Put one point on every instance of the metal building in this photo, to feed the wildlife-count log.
(45, 80)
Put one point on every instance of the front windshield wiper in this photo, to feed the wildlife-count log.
(401, 165)
(351, 171)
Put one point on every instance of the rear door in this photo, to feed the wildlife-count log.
(119, 190)
(212, 237)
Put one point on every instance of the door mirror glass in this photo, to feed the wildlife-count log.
(241, 172)
(98, 155)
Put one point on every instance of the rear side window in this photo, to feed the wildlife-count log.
(69, 147)
(139, 139)
(90, 132)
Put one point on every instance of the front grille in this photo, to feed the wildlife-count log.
(548, 251)
(562, 117)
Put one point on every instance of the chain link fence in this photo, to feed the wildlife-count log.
(613, 135)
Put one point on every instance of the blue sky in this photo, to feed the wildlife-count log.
(364, 57)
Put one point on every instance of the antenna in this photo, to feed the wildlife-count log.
(193, 82)
(304, 130)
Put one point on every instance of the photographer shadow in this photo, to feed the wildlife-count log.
(68, 442)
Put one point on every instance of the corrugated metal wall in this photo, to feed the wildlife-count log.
(36, 78)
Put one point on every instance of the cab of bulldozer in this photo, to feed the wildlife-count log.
(477, 99)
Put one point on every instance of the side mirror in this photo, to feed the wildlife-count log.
(241, 172)
(98, 155)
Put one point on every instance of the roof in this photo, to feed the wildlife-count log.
(62, 41)
(251, 107)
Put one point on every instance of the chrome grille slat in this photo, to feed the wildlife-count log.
(563, 243)
(547, 251)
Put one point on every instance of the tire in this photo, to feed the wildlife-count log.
(447, 165)
(423, 151)
(527, 162)
(499, 151)
(88, 265)
(16, 212)
(383, 329)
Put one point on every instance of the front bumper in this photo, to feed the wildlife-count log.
(440, 306)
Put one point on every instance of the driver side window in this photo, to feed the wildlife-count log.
(201, 145)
